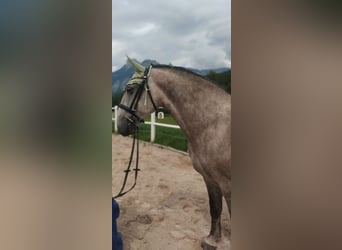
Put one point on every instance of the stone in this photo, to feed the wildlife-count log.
(177, 235)
(144, 219)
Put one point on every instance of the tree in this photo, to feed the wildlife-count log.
(223, 80)
(116, 99)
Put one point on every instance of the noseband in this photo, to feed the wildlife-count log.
(132, 109)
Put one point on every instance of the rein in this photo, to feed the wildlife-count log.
(132, 110)
(136, 169)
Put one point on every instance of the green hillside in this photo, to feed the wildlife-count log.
(223, 80)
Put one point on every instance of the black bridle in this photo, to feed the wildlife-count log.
(135, 120)
(132, 109)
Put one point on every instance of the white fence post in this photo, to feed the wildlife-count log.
(153, 123)
(153, 126)
(116, 118)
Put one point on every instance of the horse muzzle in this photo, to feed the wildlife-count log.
(126, 127)
(129, 125)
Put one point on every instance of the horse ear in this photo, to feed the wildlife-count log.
(138, 67)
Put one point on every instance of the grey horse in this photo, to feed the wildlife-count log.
(203, 111)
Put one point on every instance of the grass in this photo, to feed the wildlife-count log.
(170, 137)
(167, 120)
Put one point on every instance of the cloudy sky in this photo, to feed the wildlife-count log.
(185, 33)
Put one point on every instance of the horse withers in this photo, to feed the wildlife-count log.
(203, 111)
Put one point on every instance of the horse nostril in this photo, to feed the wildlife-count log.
(126, 127)
(123, 128)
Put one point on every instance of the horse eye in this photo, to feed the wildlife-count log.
(129, 90)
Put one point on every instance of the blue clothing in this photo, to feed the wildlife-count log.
(116, 237)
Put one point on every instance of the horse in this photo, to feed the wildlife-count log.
(203, 112)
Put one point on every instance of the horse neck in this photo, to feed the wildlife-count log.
(187, 97)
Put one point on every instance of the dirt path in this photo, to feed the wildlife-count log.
(168, 209)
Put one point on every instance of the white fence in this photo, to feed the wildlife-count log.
(153, 123)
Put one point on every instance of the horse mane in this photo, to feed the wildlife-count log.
(210, 82)
(182, 69)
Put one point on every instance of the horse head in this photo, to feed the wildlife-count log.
(136, 102)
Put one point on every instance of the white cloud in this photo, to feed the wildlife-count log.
(173, 31)
(144, 29)
(117, 48)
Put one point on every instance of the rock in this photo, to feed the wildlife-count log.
(144, 219)
(145, 205)
(191, 234)
(157, 215)
(177, 235)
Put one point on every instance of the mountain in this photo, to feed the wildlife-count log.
(205, 72)
(121, 76)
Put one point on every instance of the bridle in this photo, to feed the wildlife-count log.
(135, 120)
(132, 109)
